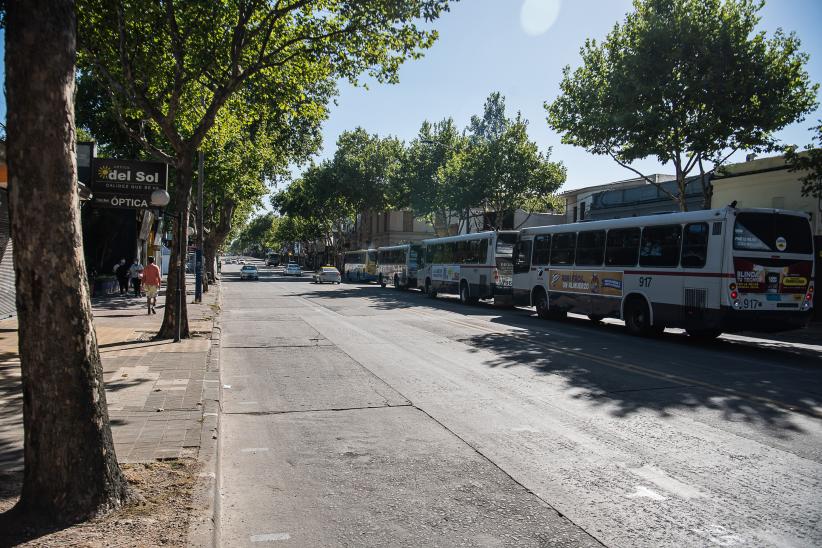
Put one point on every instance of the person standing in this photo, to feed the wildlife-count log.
(122, 273)
(152, 279)
(136, 275)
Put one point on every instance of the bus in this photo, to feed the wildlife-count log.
(473, 266)
(398, 264)
(273, 259)
(360, 266)
(708, 272)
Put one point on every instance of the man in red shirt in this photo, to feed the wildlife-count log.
(152, 278)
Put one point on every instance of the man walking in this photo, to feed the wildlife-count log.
(136, 275)
(152, 278)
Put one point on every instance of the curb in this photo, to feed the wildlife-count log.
(204, 527)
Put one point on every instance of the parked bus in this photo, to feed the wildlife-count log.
(473, 266)
(360, 266)
(710, 271)
(398, 264)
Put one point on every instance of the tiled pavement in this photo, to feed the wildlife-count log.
(162, 395)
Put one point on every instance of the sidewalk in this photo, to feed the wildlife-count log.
(161, 395)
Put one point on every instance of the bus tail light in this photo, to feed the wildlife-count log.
(496, 276)
(734, 294)
(808, 298)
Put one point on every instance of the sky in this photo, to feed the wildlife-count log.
(519, 47)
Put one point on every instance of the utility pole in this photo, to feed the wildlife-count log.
(198, 257)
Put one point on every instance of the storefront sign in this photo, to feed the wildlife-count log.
(126, 184)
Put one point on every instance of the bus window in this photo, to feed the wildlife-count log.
(590, 248)
(695, 245)
(522, 256)
(562, 248)
(542, 249)
(622, 247)
(772, 231)
(660, 245)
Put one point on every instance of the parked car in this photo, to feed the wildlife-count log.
(326, 274)
(293, 269)
(249, 272)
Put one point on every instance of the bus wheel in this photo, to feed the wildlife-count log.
(638, 319)
(382, 281)
(541, 302)
(703, 334)
(465, 295)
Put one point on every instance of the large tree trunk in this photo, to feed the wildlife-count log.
(182, 194)
(71, 470)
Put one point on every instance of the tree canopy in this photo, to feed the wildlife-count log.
(688, 82)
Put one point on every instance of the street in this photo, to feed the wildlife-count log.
(361, 416)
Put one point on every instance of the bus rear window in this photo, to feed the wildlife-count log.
(505, 244)
(773, 232)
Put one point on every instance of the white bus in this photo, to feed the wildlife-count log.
(473, 266)
(710, 271)
(360, 266)
(398, 264)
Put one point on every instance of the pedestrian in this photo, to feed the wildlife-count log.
(136, 275)
(121, 270)
(152, 279)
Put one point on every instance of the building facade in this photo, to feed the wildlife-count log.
(578, 201)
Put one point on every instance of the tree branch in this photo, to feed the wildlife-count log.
(648, 179)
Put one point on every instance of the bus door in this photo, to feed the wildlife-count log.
(504, 259)
(522, 273)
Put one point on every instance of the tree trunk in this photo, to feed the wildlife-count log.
(218, 234)
(182, 194)
(71, 470)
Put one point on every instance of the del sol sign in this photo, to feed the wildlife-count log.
(126, 184)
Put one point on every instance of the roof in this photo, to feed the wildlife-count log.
(636, 181)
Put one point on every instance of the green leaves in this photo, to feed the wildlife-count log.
(685, 81)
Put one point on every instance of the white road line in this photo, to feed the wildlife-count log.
(254, 449)
(268, 537)
(644, 492)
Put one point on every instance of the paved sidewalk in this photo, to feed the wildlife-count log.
(157, 391)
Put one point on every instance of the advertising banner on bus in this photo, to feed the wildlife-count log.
(590, 282)
(443, 273)
(757, 278)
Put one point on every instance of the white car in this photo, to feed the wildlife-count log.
(293, 269)
(249, 272)
(326, 274)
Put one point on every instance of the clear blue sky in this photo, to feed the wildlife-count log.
(486, 45)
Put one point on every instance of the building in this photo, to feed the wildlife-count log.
(578, 201)
(374, 229)
(7, 286)
(647, 199)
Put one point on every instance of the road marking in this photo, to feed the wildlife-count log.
(632, 368)
(661, 479)
(644, 492)
(254, 449)
(248, 403)
(268, 537)
(720, 535)
(226, 386)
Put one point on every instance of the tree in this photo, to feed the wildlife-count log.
(174, 66)
(809, 164)
(71, 469)
(506, 166)
(686, 81)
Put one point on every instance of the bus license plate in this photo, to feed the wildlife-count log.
(749, 303)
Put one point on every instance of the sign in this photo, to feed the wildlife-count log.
(589, 282)
(126, 184)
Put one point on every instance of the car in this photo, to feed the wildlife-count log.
(249, 272)
(326, 274)
(293, 269)
(241, 261)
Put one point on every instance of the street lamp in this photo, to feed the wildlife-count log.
(160, 199)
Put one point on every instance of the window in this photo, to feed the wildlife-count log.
(582, 211)
(562, 248)
(660, 245)
(505, 244)
(695, 245)
(772, 231)
(622, 247)
(542, 249)
(522, 256)
(590, 248)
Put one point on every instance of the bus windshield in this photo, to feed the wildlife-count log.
(772, 232)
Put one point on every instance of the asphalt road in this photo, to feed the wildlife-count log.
(361, 416)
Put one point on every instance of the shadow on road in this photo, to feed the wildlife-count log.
(757, 381)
